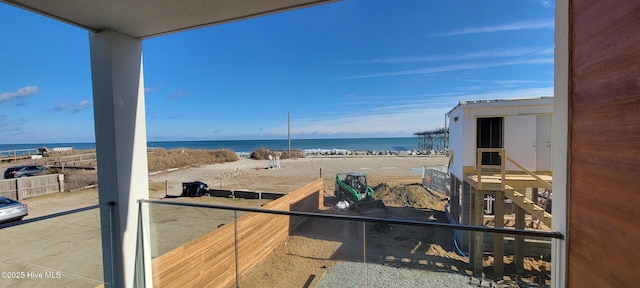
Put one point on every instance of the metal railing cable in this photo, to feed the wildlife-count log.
(434, 225)
(55, 215)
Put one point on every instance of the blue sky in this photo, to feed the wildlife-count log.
(355, 68)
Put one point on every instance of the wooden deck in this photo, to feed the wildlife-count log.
(14, 158)
(491, 182)
(496, 180)
(514, 189)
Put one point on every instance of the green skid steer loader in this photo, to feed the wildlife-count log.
(353, 188)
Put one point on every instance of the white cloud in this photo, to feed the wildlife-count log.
(176, 95)
(487, 54)
(401, 118)
(449, 68)
(397, 122)
(151, 89)
(518, 82)
(64, 106)
(545, 3)
(84, 104)
(517, 26)
(22, 92)
(509, 94)
(61, 107)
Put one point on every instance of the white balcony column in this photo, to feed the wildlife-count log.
(561, 149)
(121, 144)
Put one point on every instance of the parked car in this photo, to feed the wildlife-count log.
(23, 171)
(11, 210)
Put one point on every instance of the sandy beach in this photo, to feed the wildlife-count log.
(253, 175)
(35, 247)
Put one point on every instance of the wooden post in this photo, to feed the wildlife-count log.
(166, 188)
(469, 219)
(289, 132)
(479, 167)
(519, 245)
(465, 216)
(18, 189)
(454, 201)
(61, 182)
(478, 237)
(503, 170)
(498, 239)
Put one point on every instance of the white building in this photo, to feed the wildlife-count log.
(522, 127)
(518, 136)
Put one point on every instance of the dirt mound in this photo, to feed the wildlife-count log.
(408, 195)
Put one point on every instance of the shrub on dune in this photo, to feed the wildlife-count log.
(262, 153)
(293, 154)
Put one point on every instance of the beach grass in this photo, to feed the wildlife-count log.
(291, 155)
(158, 160)
(162, 159)
(263, 153)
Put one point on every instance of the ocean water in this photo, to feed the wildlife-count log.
(248, 146)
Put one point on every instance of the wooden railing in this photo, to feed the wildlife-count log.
(73, 160)
(517, 197)
(501, 167)
(545, 184)
(480, 166)
(17, 154)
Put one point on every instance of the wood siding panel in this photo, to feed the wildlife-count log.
(604, 200)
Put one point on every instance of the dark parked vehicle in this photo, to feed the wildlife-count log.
(11, 210)
(194, 189)
(23, 171)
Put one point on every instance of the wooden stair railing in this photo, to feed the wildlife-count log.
(528, 205)
(515, 196)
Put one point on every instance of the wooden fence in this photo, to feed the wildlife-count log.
(210, 259)
(26, 187)
(80, 161)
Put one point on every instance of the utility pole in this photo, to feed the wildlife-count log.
(289, 131)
